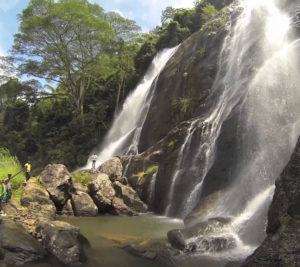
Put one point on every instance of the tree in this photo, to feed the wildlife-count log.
(64, 41)
(124, 29)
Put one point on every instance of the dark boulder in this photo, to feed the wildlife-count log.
(58, 182)
(64, 241)
(35, 192)
(17, 247)
(120, 208)
(113, 168)
(130, 197)
(68, 209)
(83, 204)
(207, 236)
(102, 191)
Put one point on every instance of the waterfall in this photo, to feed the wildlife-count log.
(124, 133)
(257, 83)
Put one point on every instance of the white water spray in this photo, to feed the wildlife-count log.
(124, 133)
(258, 76)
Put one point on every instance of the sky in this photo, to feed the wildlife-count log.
(145, 12)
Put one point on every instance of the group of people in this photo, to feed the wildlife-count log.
(5, 187)
(5, 191)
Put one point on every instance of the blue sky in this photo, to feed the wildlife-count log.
(145, 12)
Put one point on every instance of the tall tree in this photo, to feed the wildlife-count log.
(63, 41)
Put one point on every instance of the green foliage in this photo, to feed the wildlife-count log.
(145, 54)
(16, 195)
(209, 11)
(151, 169)
(217, 23)
(182, 108)
(173, 35)
(83, 178)
(139, 175)
(171, 145)
(65, 42)
(10, 164)
(16, 116)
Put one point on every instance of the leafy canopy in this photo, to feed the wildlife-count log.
(65, 42)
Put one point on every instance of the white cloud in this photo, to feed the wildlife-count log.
(6, 5)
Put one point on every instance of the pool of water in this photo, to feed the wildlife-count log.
(105, 253)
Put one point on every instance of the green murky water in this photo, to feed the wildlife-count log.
(104, 252)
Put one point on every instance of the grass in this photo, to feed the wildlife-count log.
(83, 178)
(171, 145)
(10, 164)
(139, 175)
(150, 170)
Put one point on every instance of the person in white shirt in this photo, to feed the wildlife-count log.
(94, 158)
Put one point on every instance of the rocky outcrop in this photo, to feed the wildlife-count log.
(208, 236)
(130, 197)
(102, 191)
(120, 208)
(64, 241)
(113, 168)
(34, 192)
(281, 246)
(58, 182)
(17, 247)
(68, 209)
(158, 163)
(188, 76)
(83, 204)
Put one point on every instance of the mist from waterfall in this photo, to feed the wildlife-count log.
(124, 134)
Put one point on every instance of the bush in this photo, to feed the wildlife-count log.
(10, 164)
(83, 178)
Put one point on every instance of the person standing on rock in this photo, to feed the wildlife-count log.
(2, 195)
(27, 167)
(8, 189)
(94, 159)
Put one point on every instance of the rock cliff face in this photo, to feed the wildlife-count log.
(188, 76)
(281, 246)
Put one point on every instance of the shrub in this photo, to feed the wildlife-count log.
(83, 178)
(151, 169)
(10, 164)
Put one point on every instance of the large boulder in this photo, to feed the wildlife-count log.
(102, 191)
(113, 168)
(83, 204)
(64, 241)
(68, 209)
(34, 192)
(120, 208)
(130, 197)
(17, 247)
(58, 182)
(206, 236)
(281, 246)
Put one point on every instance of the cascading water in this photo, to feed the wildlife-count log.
(124, 133)
(257, 84)
(257, 80)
